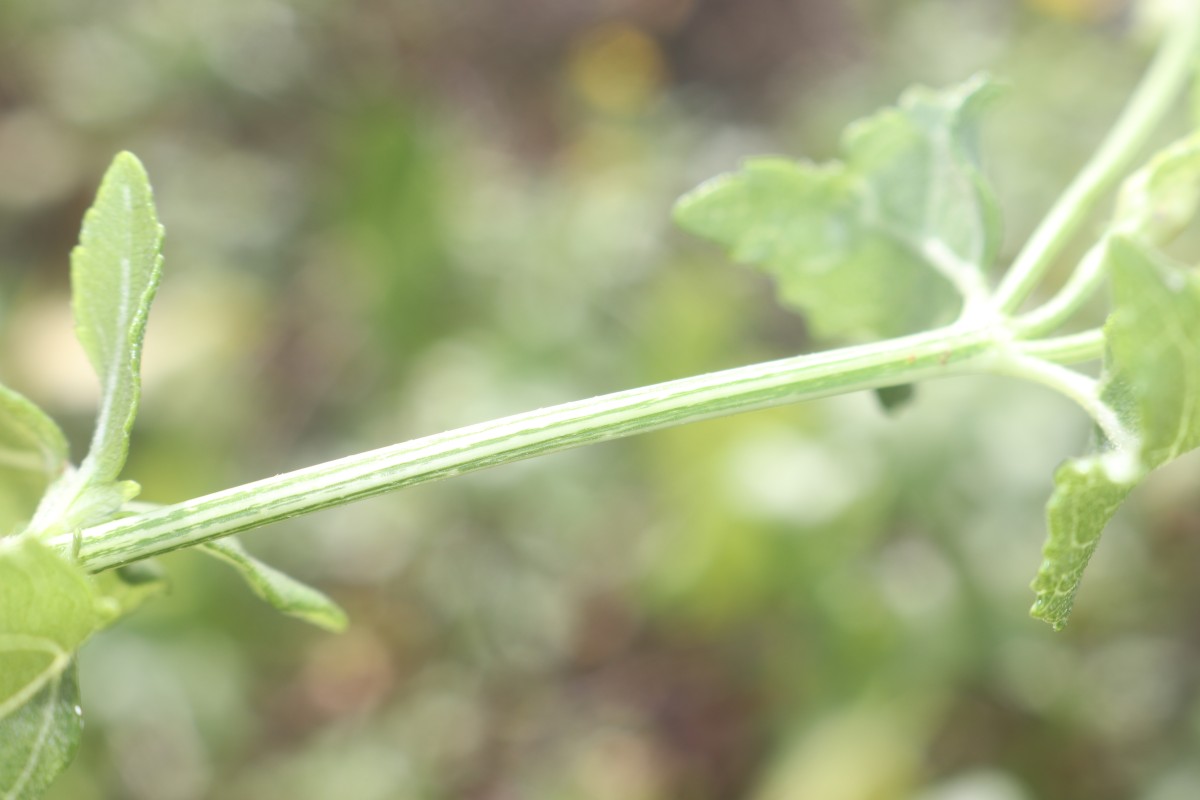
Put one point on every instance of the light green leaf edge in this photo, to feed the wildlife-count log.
(40, 738)
(114, 275)
(285, 593)
(858, 245)
(1153, 368)
(1159, 200)
(29, 438)
(33, 455)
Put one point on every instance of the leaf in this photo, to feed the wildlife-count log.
(29, 439)
(1153, 381)
(40, 738)
(893, 398)
(874, 245)
(1085, 498)
(1158, 201)
(114, 275)
(47, 610)
(283, 592)
(125, 589)
(33, 453)
(1154, 337)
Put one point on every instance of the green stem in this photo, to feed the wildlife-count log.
(949, 351)
(1154, 97)
(1085, 280)
(1084, 390)
(1074, 348)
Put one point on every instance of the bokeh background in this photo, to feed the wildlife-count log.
(386, 219)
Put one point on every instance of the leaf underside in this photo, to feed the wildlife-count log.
(283, 592)
(47, 610)
(40, 738)
(1153, 337)
(873, 245)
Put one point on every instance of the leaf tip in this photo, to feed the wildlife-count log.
(1052, 609)
(126, 160)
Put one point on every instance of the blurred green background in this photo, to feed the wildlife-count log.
(386, 219)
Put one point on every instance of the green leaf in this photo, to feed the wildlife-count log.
(40, 738)
(47, 609)
(1153, 381)
(282, 591)
(125, 589)
(29, 439)
(1086, 495)
(114, 275)
(894, 398)
(1154, 338)
(33, 453)
(877, 244)
(1158, 201)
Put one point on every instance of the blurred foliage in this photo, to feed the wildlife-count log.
(386, 219)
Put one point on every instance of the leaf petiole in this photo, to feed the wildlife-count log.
(1154, 97)
(1084, 281)
(1074, 348)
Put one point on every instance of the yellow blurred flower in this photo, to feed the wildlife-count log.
(616, 69)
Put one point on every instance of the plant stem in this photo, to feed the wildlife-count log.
(1083, 389)
(1086, 278)
(1154, 97)
(1074, 348)
(956, 350)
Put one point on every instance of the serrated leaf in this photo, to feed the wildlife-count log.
(40, 738)
(1085, 498)
(47, 609)
(1158, 201)
(114, 275)
(282, 591)
(1153, 381)
(33, 453)
(874, 245)
(921, 162)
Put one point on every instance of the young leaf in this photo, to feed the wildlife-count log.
(123, 590)
(1159, 200)
(1154, 337)
(874, 245)
(114, 274)
(33, 453)
(282, 591)
(1153, 366)
(29, 440)
(40, 738)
